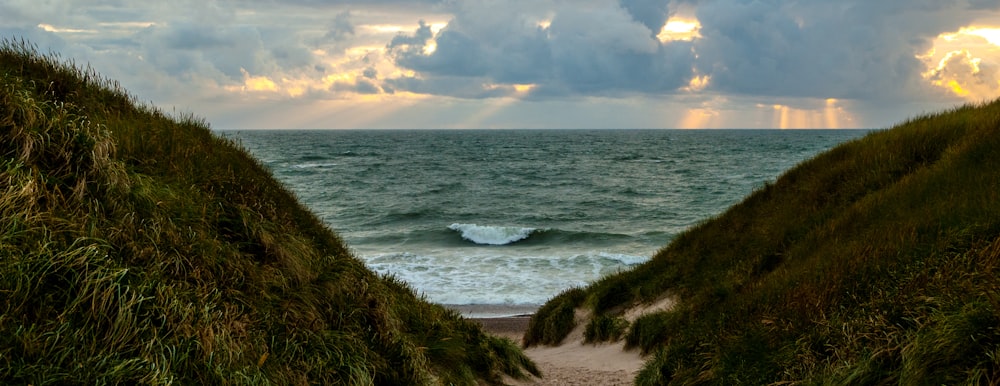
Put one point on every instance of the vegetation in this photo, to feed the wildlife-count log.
(555, 319)
(604, 328)
(139, 248)
(874, 263)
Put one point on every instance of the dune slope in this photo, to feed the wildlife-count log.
(140, 248)
(875, 262)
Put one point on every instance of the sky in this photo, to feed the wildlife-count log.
(315, 64)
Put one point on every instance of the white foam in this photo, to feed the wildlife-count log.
(313, 165)
(625, 259)
(492, 235)
(497, 276)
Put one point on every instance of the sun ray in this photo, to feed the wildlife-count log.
(698, 118)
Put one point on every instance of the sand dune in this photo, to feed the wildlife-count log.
(574, 362)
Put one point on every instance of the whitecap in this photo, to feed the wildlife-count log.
(625, 259)
(492, 235)
(497, 276)
(313, 165)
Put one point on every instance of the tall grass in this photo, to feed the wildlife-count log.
(140, 248)
(872, 263)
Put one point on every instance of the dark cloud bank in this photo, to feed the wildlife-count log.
(856, 49)
(849, 49)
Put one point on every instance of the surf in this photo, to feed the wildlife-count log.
(492, 235)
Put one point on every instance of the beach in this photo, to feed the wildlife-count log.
(573, 362)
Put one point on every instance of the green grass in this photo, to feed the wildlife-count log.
(605, 328)
(875, 262)
(136, 247)
(554, 321)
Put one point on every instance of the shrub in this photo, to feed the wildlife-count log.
(603, 328)
(555, 320)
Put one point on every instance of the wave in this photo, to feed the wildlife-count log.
(621, 258)
(310, 157)
(564, 237)
(496, 276)
(492, 235)
(505, 235)
(628, 157)
(314, 165)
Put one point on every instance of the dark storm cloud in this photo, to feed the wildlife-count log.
(365, 86)
(341, 27)
(418, 40)
(180, 48)
(516, 59)
(846, 49)
(651, 13)
(587, 50)
(360, 85)
(782, 50)
(856, 49)
(593, 53)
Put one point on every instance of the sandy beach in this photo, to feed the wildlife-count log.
(572, 363)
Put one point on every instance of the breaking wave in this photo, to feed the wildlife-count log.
(492, 235)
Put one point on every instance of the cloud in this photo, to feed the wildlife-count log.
(852, 49)
(165, 56)
(352, 3)
(358, 85)
(796, 54)
(606, 52)
(186, 48)
(453, 86)
(408, 43)
(593, 49)
(341, 28)
(651, 13)
(847, 49)
(966, 76)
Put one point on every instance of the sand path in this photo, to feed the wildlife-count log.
(573, 362)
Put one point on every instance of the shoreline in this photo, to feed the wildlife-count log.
(510, 327)
(493, 311)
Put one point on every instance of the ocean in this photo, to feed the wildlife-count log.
(510, 218)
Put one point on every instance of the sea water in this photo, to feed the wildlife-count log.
(513, 217)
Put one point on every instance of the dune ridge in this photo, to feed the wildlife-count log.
(140, 248)
(872, 263)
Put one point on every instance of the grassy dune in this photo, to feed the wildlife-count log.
(140, 248)
(873, 263)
